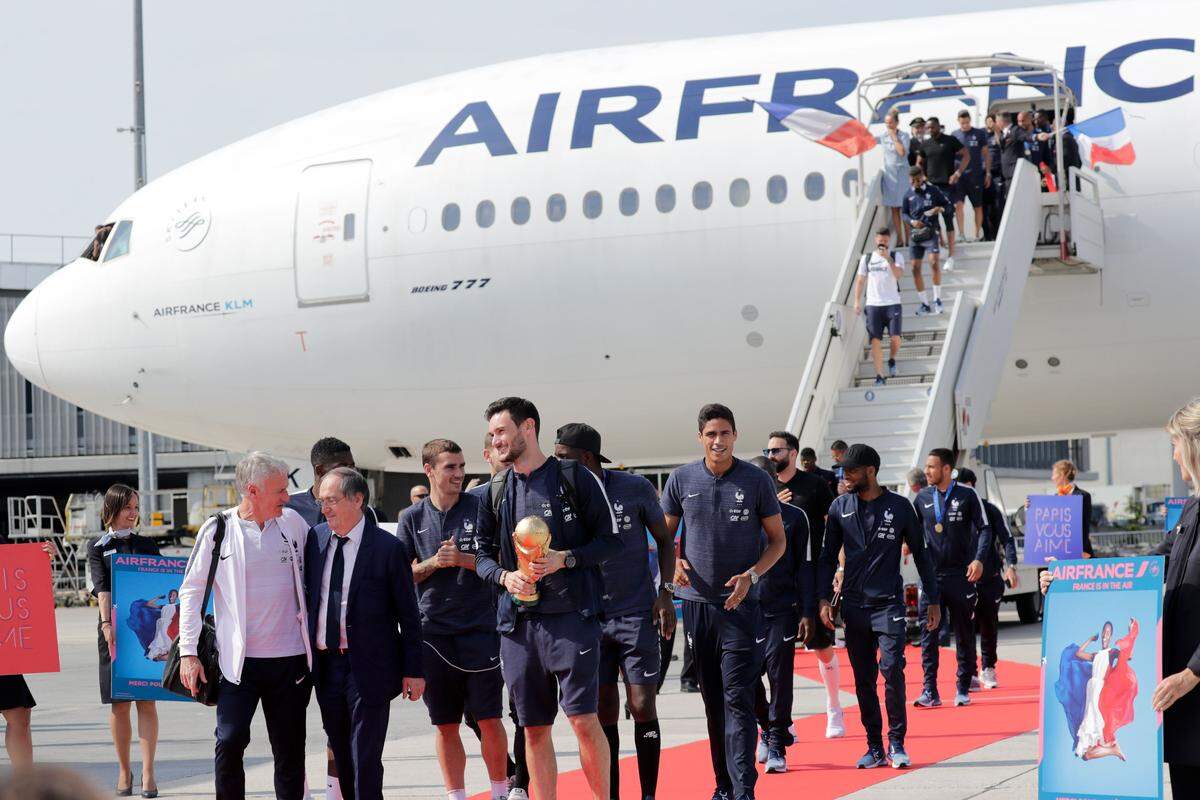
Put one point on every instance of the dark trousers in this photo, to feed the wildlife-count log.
(774, 710)
(284, 686)
(991, 208)
(870, 630)
(356, 729)
(1185, 780)
(958, 595)
(688, 671)
(987, 617)
(728, 654)
(666, 648)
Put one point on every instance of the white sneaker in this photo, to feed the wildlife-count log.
(518, 794)
(948, 266)
(835, 726)
(988, 678)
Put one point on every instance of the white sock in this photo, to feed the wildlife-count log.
(499, 790)
(830, 677)
(937, 292)
(333, 789)
(924, 295)
(456, 794)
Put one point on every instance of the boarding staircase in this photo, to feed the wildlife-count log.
(949, 365)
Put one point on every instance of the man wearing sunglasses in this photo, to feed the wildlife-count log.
(810, 492)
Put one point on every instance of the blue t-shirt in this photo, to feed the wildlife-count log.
(453, 599)
(304, 504)
(965, 536)
(788, 585)
(976, 141)
(722, 517)
(628, 583)
(872, 533)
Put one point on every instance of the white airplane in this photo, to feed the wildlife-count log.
(605, 233)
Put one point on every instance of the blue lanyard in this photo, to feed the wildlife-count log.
(939, 510)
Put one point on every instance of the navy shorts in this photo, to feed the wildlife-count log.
(970, 187)
(551, 661)
(462, 673)
(880, 317)
(918, 249)
(629, 645)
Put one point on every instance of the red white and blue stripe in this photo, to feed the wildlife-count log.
(845, 134)
(1104, 139)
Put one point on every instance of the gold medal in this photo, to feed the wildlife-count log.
(937, 528)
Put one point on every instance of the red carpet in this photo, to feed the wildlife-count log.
(824, 768)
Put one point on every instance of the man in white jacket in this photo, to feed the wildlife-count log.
(261, 625)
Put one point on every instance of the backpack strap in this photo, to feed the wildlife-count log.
(218, 537)
(496, 489)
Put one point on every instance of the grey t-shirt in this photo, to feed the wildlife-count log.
(722, 523)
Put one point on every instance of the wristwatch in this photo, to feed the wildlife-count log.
(570, 561)
(753, 576)
(668, 587)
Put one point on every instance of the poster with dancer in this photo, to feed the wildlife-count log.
(145, 623)
(1101, 655)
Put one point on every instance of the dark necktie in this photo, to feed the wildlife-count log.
(333, 609)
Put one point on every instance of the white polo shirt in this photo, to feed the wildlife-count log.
(272, 610)
(882, 287)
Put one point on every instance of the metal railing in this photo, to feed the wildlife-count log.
(35, 248)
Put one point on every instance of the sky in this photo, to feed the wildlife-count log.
(219, 71)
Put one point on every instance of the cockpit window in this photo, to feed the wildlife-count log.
(118, 242)
(96, 245)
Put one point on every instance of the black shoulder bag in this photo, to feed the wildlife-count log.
(206, 646)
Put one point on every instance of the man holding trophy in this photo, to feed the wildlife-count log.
(553, 530)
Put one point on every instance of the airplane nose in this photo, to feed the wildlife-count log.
(20, 340)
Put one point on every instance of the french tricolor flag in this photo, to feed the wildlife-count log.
(1104, 139)
(843, 133)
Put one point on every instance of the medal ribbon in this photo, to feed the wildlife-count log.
(939, 500)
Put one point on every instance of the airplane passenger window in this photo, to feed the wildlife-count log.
(628, 202)
(450, 217)
(814, 186)
(520, 210)
(664, 198)
(485, 214)
(348, 228)
(739, 192)
(556, 207)
(702, 195)
(849, 179)
(118, 241)
(777, 189)
(593, 204)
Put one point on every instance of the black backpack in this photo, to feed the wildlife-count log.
(566, 469)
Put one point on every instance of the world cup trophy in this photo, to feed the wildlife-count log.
(532, 541)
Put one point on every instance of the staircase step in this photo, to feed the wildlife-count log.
(868, 381)
(892, 393)
(900, 445)
(906, 367)
(937, 323)
(880, 409)
(907, 351)
(867, 429)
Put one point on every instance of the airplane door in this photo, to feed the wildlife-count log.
(331, 233)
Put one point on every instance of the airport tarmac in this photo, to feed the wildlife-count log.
(70, 728)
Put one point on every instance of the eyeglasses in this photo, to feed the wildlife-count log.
(329, 502)
(771, 452)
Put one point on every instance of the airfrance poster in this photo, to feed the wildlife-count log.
(1101, 659)
(145, 623)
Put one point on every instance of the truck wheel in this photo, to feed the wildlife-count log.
(1029, 607)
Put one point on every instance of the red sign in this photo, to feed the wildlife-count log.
(28, 634)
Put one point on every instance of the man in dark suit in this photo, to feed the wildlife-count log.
(1017, 140)
(365, 627)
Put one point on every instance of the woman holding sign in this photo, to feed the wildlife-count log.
(16, 703)
(1063, 475)
(119, 516)
(1176, 696)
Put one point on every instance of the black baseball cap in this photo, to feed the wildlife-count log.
(860, 455)
(582, 436)
(916, 121)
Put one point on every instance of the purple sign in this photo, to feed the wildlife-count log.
(1053, 528)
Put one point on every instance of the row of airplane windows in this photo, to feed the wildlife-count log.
(628, 201)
